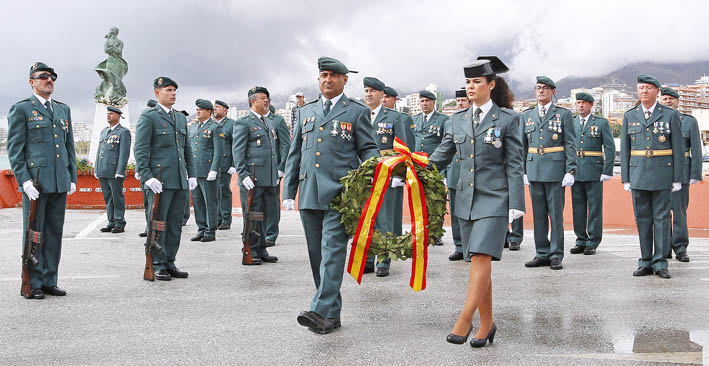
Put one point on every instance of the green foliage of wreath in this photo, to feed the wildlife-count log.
(356, 190)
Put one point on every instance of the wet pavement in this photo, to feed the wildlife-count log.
(593, 312)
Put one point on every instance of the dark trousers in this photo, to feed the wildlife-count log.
(112, 189)
(186, 214)
(548, 207)
(224, 181)
(385, 223)
(172, 208)
(515, 232)
(652, 216)
(262, 199)
(273, 215)
(206, 207)
(587, 204)
(455, 225)
(680, 232)
(49, 220)
(146, 205)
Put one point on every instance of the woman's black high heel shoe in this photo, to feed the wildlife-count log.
(477, 342)
(456, 339)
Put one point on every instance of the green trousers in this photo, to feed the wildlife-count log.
(390, 209)
(206, 207)
(146, 205)
(274, 215)
(186, 215)
(455, 225)
(548, 207)
(587, 205)
(515, 232)
(112, 189)
(652, 217)
(171, 210)
(224, 181)
(680, 232)
(49, 220)
(263, 197)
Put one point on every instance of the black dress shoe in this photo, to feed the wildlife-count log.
(682, 257)
(507, 245)
(328, 325)
(663, 273)
(162, 275)
(382, 272)
(35, 293)
(310, 319)
(143, 234)
(106, 229)
(589, 251)
(197, 238)
(556, 264)
(269, 259)
(53, 290)
(642, 271)
(118, 230)
(368, 268)
(224, 227)
(438, 242)
(255, 261)
(477, 342)
(456, 339)
(577, 249)
(207, 239)
(270, 243)
(537, 262)
(455, 257)
(669, 255)
(514, 246)
(174, 272)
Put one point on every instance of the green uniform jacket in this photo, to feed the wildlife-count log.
(693, 146)
(227, 160)
(540, 133)
(207, 140)
(595, 136)
(113, 152)
(490, 182)
(36, 140)
(428, 136)
(162, 147)
(255, 147)
(325, 149)
(410, 127)
(282, 137)
(387, 125)
(453, 171)
(657, 172)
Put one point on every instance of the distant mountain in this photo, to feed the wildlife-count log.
(665, 73)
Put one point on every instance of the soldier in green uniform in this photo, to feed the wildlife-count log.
(255, 151)
(692, 175)
(453, 175)
(111, 160)
(550, 142)
(41, 142)
(333, 135)
(387, 125)
(226, 165)
(164, 160)
(282, 135)
(207, 140)
(595, 154)
(143, 189)
(651, 166)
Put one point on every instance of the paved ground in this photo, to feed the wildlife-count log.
(593, 312)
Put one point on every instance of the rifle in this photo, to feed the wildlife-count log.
(32, 245)
(250, 235)
(151, 241)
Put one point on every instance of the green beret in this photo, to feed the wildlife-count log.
(460, 93)
(164, 81)
(115, 110)
(221, 104)
(585, 96)
(478, 68)
(498, 67)
(647, 79)
(152, 103)
(669, 91)
(390, 91)
(259, 89)
(331, 64)
(427, 94)
(272, 108)
(41, 66)
(204, 104)
(374, 83)
(546, 81)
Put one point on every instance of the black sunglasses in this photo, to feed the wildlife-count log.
(45, 76)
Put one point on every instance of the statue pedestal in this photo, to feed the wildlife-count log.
(100, 123)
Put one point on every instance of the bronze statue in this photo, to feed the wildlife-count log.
(112, 91)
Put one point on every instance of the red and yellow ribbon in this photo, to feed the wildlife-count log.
(417, 207)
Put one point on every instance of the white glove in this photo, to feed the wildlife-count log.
(397, 182)
(568, 180)
(281, 174)
(515, 214)
(231, 170)
(31, 192)
(605, 177)
(72, 189)
(526, 180)
(154, 185)
(289, 205)
(95, 176)
(212, 175)
(676, 186)
(119, 176)
(137, 176)
(191, 183)
(626, 186)
(248, 183)
(444, 182)
(694, 181)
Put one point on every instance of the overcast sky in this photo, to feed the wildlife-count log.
(219, 49)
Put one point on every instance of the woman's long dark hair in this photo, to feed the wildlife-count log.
(501, 94)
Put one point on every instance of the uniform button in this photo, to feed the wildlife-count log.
(648, 138)
(317, 165)
(471, 184)
(31, 164)
(57, 155)
(472, 170)
(55, 135)
(179, 158)
(456, 160)
(647, 147)
(57, 145)
(158, 164)
(319, 139)
(317, 153)
(471, 156)
(101, 156)
(541, 137)
(321, 128)
(582, 142)
(581, 135)
(55, 126)
(648, 129)
(472, 141)
(38, 126)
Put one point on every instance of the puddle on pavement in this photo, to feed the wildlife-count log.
(678, 346)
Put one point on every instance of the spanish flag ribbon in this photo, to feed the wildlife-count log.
(418, 211)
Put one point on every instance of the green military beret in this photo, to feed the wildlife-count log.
(390, 92)
(585, 96)
(427, 94)
(498, 67)
(669, 91)
(41, 66)
(460, 93)
(259, 89)
(204, 104)
(164, 81)
(152, 103)
(115, 110)
(331, 64)
(374, 83)
(221, 104)
(478, 68)
(647, 79)
(546, 81)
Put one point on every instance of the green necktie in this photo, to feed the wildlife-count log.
(476, 117)
(327, 107)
